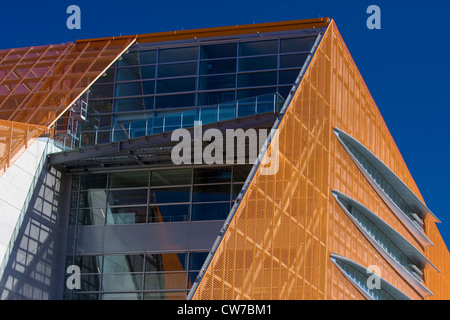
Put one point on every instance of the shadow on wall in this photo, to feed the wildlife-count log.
(31, 265)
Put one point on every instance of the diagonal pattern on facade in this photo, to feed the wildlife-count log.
(280, 239)
(38, 84)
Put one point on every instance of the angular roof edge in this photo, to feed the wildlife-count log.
(225, 31)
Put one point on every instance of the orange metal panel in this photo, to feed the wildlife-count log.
(278, 243)
(15, 138)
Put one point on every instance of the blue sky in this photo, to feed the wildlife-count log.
(405, 64)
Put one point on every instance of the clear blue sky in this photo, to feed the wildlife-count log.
(405, 64)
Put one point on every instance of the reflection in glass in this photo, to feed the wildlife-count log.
(122, 282)
(258, 47)
(165, 281)
(218, 66)
(170, 195)
(210, 211)
(169, 213)
(258, 63)
(297, 44)
(177, 69)
(166, 262)
(222, 50)
(178, 54)
(126, 215)
(123, 263)
(127, 197)
(171, 177)
(131, 179)
(212, 175)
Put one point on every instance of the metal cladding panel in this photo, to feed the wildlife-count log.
(38, 84)
(15, 138)
(278, 242)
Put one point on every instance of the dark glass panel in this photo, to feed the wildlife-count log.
(91, 216)
(101, 91)
(293, 60)
(126, 215)
(134, 104)
(123, 263)
(258, 47)
(210, 98)
(178, 54)
(89, 264)
(127, 197)
(297, 44)
(165, 262)
(211, 193)
(258, 63)
(248, 93)
(170, 195)
(132, 179)
(217, 82)
(178, 69)
(174, 101)
(175, 85)
(289, 76)
(93, 181)
(148, 72)
(129, 59)
(240, 173)
(218, 66)
(147, 57)
(196, 260)
(257, 79)
(210, 211)
(129, 89)
(222, 50)
(100, 106)
(212, 175)
(169, 213)
(125, 74)
(171, 177)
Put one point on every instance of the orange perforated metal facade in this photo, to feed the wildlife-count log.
(280, 238)
(38, 84)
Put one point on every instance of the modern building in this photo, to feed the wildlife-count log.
(116, 183)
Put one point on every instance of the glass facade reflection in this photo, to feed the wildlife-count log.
(148, 276)
(157, 195)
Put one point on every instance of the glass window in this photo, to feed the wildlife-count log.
(122, 282)
(94, 198)
(197, 259)
(257, 79)
(147, 57)
(125, 74)
(218, 66)
(129, 59)
(123, 263)
(166, 262)
(212, 175)
(134, 104)
(170, 195)
(165, 295)
(121, 296)
(210, 211)
(289, 76)
(248, 93)
(131, 179)
(148, 72)
(175, 101)
(211, 193)
(210, 98)
(217, 82)
(126, 215)
(127, 197)
(129, 89)
(91, 217)
(240, 173)
(222, 50)
(93, 181)
(178, 69)
(258, 63)
(178, 54)
(296, 60)
(297, 44)
(169, 213)
(107, 76)
(101, 91)
(258, 47)
(165, 281)
(171, 177)
(176, 85)
(100, 106)
(89, 264)
(236, 190)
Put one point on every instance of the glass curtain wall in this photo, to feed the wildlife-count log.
(148, 80)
